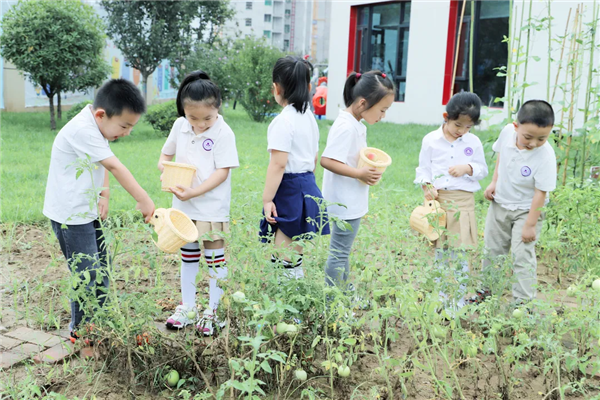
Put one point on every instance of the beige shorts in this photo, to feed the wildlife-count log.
(215, 230)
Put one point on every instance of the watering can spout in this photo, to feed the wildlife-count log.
(158, 219)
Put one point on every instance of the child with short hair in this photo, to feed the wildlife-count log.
(201, 137)
(451, 164)
(367, 97)
(117, 107)
(525, 175)
(293, 141)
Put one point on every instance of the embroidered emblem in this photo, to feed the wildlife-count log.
(468, 152)
(208, 144)
(525, 171)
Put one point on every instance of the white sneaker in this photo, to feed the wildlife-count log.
(180, 318)
(206, 323)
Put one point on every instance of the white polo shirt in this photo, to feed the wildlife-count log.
(209, 151)
(67, 199)
(520, 172)
(296, 134)
(346, 138)
(438, 155)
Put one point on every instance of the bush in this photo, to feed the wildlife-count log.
(162, 116)
(252, 75)
(76, 109)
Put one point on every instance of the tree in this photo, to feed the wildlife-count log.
(147, 32)
(58, 43)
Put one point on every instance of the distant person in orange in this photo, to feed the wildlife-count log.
(319, 100)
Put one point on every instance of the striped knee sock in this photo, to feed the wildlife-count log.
(293, 270)
(215, 259)
(190, 261)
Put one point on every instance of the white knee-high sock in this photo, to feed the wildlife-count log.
(215, 258)
(190, 261)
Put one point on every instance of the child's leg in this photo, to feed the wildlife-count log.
(338, 261)
(497, 236)
(214, 254)
(293, 268)
(102, 288)
(79, 246)
(190, 260)
(524, 260)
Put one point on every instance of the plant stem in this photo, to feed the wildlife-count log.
(510, 61)
(462, 15)
(549, 49)
(526, 51)
(471, 37)
(588, 90)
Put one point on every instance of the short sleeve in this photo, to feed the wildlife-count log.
(338, 143)
(91, 142)
(225, 151)
(170, 146)
(545, 176)
(504, 135)
(280, 135)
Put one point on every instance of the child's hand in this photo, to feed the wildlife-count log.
(146, 206)
(459, 170)
(490, 192)
(430, 192)
(270, 212)
(103, 208)
(183, 193)
(369, 175)
(528, 234)
(161, 168)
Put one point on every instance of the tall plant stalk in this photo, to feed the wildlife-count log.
(471, 36)
(462, 16)
(550, 48)
(510, 61)
(562, 52)
(526, 50)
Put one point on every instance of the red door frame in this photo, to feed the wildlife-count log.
(450, 50)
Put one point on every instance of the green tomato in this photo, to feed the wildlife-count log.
(301, 375)
(282, 328)
(292, 330)
(497, 326)
(439, 332)
(571, 291)
(472, 351)
(493, 331)
(523, 338)
(191, 315)
(344, 371)
(338, 357)
(596, 285)
(173, 378)
(518, 313)
(239, 297)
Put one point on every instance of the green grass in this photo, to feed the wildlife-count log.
(27, 143)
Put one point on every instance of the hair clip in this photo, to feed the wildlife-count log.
(358, 75)
(383, 75)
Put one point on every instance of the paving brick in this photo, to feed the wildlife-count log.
(8, 343)
(87, 352)
(34, 336)
(55, 354)
(63, 333)
(8, 359)
(28, 349)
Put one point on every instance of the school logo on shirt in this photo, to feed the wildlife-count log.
(525, 171)
(208, 144)
(468, 152)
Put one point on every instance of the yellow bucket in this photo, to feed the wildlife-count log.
(174, 229)
(380, 159)
(419, 220)
(177, 174)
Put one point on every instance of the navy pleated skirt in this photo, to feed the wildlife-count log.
(294, 208)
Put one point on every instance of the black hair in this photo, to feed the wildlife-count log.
(538, 112)
(292, 74)
(119, 94)
(464, 103)
(371, 86)
(197, 86)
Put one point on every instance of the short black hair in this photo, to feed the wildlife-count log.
(464, 103)
(197, 86)
(117, 95)
(371, 86)
(292, 74)
(537, 112)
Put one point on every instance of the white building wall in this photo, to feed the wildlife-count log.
(427, 57)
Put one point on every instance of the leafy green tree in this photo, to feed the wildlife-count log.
(58, 43)
(147, 32)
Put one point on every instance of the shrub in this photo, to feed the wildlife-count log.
(162, 116)
(76, 109)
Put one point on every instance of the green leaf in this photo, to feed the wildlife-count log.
(266, 367)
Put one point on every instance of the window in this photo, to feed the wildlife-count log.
(248, 5)
(287, 29)
(287, 13)
(286, 45)
(267, 17)
(381, 41)
(489, 50)
(248, 21)
(267, 34)
(268, 2)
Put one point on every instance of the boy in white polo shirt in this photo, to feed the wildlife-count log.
(117, 108)
(525, 174)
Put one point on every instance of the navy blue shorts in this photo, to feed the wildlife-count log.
(294, 208)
